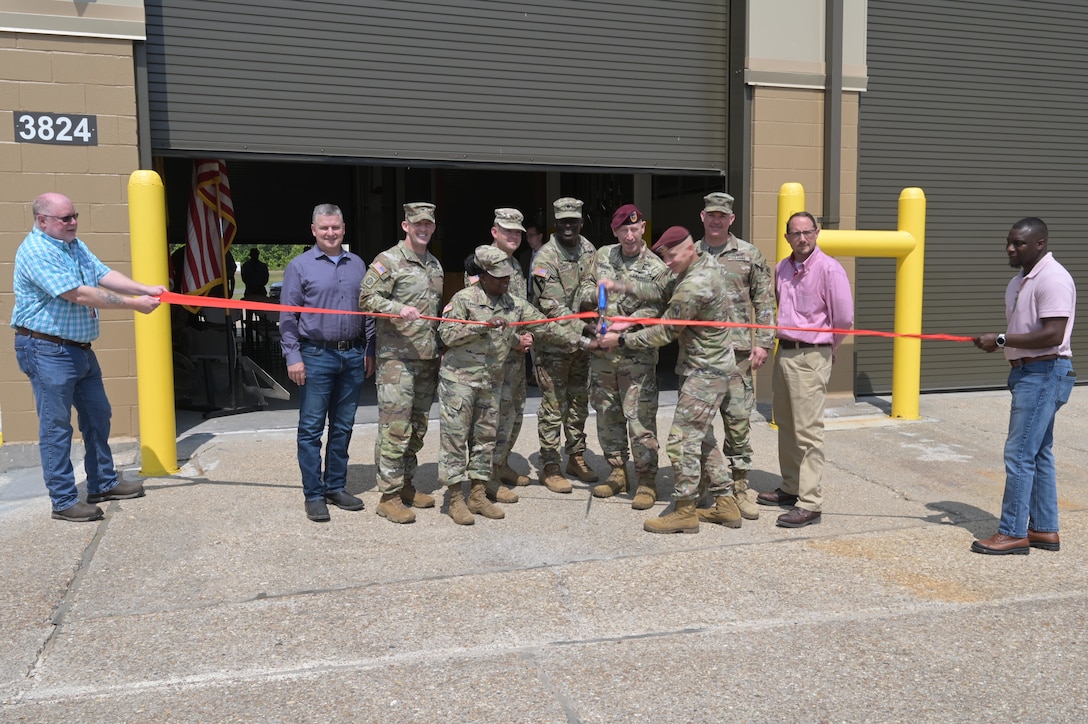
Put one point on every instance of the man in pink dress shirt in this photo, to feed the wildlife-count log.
(813, 292)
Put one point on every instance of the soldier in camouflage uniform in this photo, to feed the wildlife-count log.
(624, 382)
(751, 299)
(563, 378)
(704, 366)
(506, 234)
(470, 379)
(405, 281)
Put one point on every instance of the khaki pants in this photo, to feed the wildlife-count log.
(799, 385)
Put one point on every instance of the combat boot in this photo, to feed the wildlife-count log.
(576, 466)
(615, 484)
(725, 512)
(412, 498)
(748, 509)
(553, 481)
(392, 508)
(646, 495)
(496, 493)
(479, 504)
(682, 519)
(457, 508)
(508, 475)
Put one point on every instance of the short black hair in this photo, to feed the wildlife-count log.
(1033, 224)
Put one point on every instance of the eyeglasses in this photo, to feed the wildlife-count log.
(801, 233)
(66, 219)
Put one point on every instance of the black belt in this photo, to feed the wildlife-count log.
(1029, 360)
(50, 338)
(790, 344)
(341, 346)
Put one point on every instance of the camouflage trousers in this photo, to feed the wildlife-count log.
(511, 406)
(691, 446)
(624, 394)
(563, 380)
(405, 393)
(737, 415)
(467, 418)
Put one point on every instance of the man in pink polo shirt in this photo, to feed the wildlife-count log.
(1039, 305)
(813, 292)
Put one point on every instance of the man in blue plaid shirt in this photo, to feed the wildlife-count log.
(59, 287)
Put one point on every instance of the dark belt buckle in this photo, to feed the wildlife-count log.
(344, 345)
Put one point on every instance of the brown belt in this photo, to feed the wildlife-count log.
(1029, 360)
(50, 338)
(790, 344)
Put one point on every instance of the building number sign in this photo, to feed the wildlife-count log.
(64, 129)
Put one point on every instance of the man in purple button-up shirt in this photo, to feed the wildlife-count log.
(813, 292)
(328, 356)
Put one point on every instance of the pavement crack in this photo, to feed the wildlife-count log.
(60, 612)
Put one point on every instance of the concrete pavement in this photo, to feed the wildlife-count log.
(213, 598)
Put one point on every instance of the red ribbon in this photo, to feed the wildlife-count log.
(190, 300)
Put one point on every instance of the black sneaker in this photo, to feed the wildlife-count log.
(317, 511)
(121, 491)
(79, 513)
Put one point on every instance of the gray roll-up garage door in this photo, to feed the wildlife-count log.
(983, 106)
(625, 85)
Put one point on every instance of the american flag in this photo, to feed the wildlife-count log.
(211, 228)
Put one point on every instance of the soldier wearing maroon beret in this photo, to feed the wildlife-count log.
(704, 366)
(623, 382)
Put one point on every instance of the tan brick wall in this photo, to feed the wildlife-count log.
(788, 146)
(69, 75)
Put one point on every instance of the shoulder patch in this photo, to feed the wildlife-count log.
(447, 309)
(369, 281)
(380, 268)
(540, 272)
(472, 280)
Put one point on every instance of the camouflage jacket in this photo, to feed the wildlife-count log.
(476, 353)
(646, 271)
(750, 289)
(557, 277)
(397, 278)
(700, 294)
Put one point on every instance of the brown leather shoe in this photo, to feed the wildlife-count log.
(1000, 544)
(121, 491)
(778, 497)
(1043, 541)
(798, 518)
(79, 513)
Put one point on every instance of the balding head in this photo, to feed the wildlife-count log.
(49, 202)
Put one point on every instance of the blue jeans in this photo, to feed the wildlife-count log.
(333, 381)
(1039, 389)
(63, 376)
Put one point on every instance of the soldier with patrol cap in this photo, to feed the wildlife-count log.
(704, 366)
(563, 378)
(404, 281)
(506, 236)
(624, 382)
(471, 377)
(751, 300)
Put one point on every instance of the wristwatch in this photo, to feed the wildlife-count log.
(1001, 340)
(623, 341)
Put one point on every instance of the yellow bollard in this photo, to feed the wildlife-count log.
(791, 199)
(909, 276)
(154, 352)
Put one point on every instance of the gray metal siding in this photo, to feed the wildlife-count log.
(983, 106)
(638, 85)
